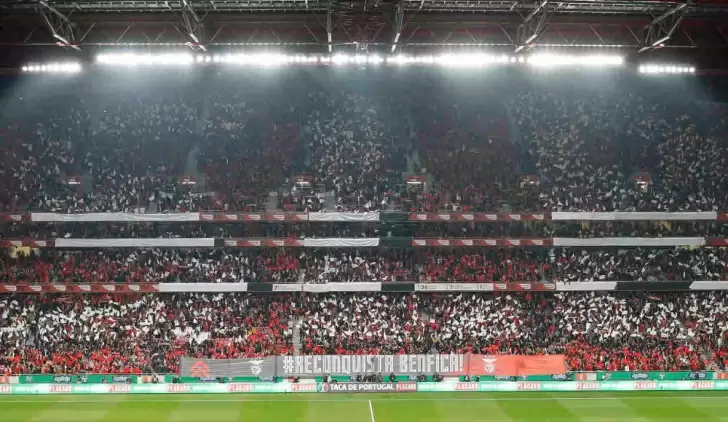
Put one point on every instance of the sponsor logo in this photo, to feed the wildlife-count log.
(6, 389)
(200, 369)
(528, 386)
(587, 386)
(489, 364)
(178, 388)
(406, 386)
(355, 387)
(121, 378)
(305, 388)
(63, 379)
(240, 388)
(466, 386)
(559, 377)
(645, 385)
(702, 385)
(60, 388)
(120, 388)
(698, 376)
(640, 376)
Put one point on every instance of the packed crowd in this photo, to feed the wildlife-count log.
(623, 152)
(534, 150)
(353, 150)
(131, 334)
(135, 335)
(312, 265)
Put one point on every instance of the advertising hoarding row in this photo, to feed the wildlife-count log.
(355, 387)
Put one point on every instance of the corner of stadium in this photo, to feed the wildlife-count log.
(376, 210)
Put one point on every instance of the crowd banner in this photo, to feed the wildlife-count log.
(247, 217)
(629, 241)
(113, 217)
(394, 216)
(197, 242)
(338, 242)
(343, 216)
(634, 216)
(395, 287)
(485, 287)
(202, 287)
(390, 242)
(214, 368)
(341, 287)
(587, 286)
(311, 366)
(478, 217)
(516, 365)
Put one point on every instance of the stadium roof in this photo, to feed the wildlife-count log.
(676, 29)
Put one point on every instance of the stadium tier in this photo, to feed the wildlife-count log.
(274, 237)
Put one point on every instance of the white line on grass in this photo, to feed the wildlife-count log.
(413, 399)
(371, 410)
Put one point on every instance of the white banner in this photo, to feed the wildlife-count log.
(200, 242)
(343, 216)
(202, 287)
(112, 217)
(586, 286)
(634, 216)
(630, 241)
(342, 287)
(369, 242)
(454, 287)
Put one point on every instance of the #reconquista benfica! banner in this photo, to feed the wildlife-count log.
(287, 387)
(312, 366)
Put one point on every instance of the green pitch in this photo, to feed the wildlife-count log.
(422, 407)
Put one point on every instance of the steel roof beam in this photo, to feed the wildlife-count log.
(60, 26)
(533, 25)
(662, 28)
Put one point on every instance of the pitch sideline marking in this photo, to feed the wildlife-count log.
(371, 410)
(413, 399)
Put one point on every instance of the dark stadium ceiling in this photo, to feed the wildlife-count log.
(33, 28)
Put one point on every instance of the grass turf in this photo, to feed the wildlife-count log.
(421, 407)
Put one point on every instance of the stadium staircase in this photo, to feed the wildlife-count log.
(295, 325)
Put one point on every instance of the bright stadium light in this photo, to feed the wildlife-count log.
(134, 59)
(562, 60)
(53, 68)
(340, 59)
(664, 69)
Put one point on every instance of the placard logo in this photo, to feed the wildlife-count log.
(200, 369)
(489, 364)
(256, 367)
